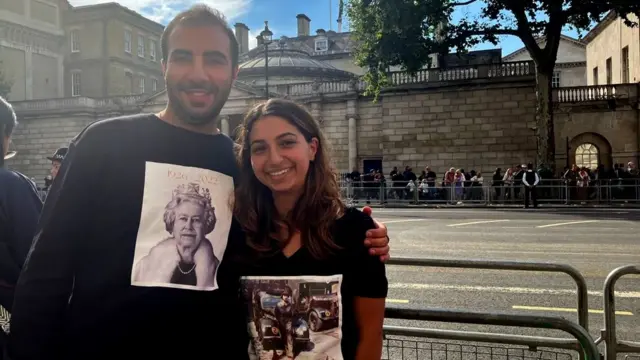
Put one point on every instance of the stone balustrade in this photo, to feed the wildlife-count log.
(580, 94)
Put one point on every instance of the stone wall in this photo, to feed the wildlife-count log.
(478, 126)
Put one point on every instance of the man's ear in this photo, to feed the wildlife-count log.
(235, 72)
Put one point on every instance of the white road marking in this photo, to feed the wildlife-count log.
(515, 252)
(567, 223)
(507, 290)
(477, 222)
(557, 309)
(400, 221)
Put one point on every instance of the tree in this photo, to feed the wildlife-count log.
(5, 83)
(406, 32)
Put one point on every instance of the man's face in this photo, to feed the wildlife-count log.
(188, 228)
(198, 72)
(55, 167)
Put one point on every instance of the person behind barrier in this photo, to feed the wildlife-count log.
(20, 207)
(530, 179)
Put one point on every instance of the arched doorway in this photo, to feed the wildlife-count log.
(590, 150)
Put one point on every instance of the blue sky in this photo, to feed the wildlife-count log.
(281, 15)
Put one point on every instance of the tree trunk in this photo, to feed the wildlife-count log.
(545, 136)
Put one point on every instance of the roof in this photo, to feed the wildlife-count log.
(116, 6)
(608, 19)
(338, 43)
(541, 39)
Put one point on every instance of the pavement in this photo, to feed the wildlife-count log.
(595, 241)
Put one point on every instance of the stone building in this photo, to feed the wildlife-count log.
(53, 50)
(571, 64)
(613, 52)
(33, 48)
(112, 51)
(475, 117)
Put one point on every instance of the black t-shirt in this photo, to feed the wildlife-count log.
(319, 311)
(125, 261)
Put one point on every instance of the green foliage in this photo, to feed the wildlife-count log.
(405, 32)
(5, 83)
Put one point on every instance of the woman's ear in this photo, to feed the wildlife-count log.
(313, 148)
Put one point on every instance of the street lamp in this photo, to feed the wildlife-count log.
(267, 37)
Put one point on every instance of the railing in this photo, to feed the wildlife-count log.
(78, 102)
(586, 93)
(401, 78)
(552, 192)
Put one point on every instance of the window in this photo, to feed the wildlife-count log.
(595, 75)
(322, 45)
(127, 41)
(154, 85)
(152, 50)
(141, 46)
(75, 41)
(555, 80)
(609, 71)
(625, 65)
(76, 83)
(587, 156)
(129, 81)
(141, 84)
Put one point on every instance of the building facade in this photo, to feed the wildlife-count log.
(50, 49)
(571, 64)
(480, 118)
(112, 51)
(33, 47)
(613, 52)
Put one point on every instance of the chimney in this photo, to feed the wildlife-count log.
(242, 35)
(303, 24)
(339, 25)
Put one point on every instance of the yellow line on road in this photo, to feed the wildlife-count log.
(478, 222)
(567, 223)
(542, 308)
(397, 301)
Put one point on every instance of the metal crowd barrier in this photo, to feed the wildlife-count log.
(583, 296)
(587, 346)
(583, 343)
(549, 191)
(612, 345)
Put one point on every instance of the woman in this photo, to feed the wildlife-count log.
(311, 287)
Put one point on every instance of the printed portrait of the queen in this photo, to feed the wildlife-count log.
(186, 256)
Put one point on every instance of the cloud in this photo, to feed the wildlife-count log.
(163, 11)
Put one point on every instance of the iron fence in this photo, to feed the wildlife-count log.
(613, 346)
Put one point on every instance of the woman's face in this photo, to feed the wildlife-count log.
(188, 228)
(280, 155)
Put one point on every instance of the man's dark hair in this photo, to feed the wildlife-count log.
(200, 15)
(8, 120)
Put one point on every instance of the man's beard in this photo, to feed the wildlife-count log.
(221, 95)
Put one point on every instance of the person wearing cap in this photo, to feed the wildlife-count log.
(20, 208)
(56, 160)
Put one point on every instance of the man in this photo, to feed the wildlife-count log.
(530, 179)
(56, 160)
(77, 297)
(20, 208)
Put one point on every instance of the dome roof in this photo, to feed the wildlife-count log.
(290, 63)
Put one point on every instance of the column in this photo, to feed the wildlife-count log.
(224, 125)
(353, 143)
(61, 79)
(28, 67)
(352, 117)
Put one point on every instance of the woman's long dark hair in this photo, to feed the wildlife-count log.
(317, 208)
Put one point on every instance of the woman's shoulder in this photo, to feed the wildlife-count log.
(352, 225)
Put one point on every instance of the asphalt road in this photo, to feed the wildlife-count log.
(595, 241)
